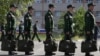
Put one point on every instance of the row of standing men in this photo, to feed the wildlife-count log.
(90, 30)
(9, 30)
(68, 21)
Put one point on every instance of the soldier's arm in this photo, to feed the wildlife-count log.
(25, 22)
(8, 20)
(66, 23)
(87, 22)
(51, 25)
(47, 21)
(12, 23)
(29, 23)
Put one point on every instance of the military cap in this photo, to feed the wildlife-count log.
(70, 6)
(30, 8)
(13, 5)
(51, 5)
(91, 4)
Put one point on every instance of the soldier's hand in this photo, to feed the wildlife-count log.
(49, 32)
(67, 33)
(9, 32)
(88, 32)
(25, 32)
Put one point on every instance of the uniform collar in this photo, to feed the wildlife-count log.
(69, 13)
(12, 12)
(29, 14)
(50, 12)
(90, 11)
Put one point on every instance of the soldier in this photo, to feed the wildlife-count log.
(11, 25)
(89, 24)
(49, 24)
(49, 21)
(35, 32)
(20, 30)
(27, 25)
(68, 21)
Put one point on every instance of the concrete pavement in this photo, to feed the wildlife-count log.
(39, 50)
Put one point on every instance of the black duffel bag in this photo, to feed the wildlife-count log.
(29, 45)
(25, 45)
(67, 46)
(88, 46)
(8, 45)
(21, 45)
(50, 45)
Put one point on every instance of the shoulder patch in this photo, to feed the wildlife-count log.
(30, 18)
(70, 16)
(52, 16)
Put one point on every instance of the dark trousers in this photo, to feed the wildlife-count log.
(67, 37)
(11, 36)
(89, 37)
(2, 36)
(47, 34)
(28, 35)
(35, 34)
(20, 34)
(48, 37)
